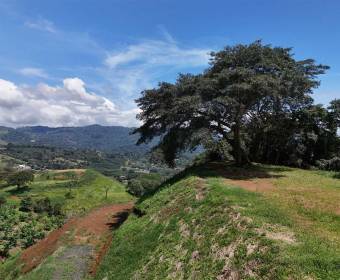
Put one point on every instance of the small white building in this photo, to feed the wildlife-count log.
(23, 167)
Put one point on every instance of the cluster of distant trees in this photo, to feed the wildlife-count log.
(253, 103)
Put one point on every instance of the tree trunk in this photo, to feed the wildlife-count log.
(240, 156)
(237, 143)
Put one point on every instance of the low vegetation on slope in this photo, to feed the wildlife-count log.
(228, 223)
(28, 214)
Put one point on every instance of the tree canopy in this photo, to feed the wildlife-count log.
(20, 178)
(253, 102)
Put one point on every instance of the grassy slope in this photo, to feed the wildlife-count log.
(88, 195)
(202, 227)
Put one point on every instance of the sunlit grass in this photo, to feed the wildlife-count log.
(312, 198)
(151, 246)
(87, 194)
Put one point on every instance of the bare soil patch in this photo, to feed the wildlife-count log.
(254, 185)
(277, 232)
(93, 229)
(78, 171)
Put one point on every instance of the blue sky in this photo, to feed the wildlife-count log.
(71, 62)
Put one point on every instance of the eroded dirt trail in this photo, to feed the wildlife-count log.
(86, 238)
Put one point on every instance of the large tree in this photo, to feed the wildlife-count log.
(245, 85)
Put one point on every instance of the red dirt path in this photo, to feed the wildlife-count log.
(94, 228)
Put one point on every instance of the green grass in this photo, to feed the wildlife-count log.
(57, 267)
(88, 194)
(192, 222)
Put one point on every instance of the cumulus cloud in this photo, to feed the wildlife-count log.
(42, 25)
(33, 72)
(120, 76)
(70, 104)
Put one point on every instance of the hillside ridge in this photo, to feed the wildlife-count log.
(96, 137)
(202, 225)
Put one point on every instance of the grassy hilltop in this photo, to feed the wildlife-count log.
(220, 222)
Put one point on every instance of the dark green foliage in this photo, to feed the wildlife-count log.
(2, 200)
(69, 195)
(135, 187)
(144, 184)
(249, 92)
(332, 164)
(26, 204)
(29, 234)
(56, 210)
(43, 205)
(40, 205)
(22, 229)
(299, 139)
(20, 178)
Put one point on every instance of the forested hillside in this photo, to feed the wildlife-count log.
(94, 137)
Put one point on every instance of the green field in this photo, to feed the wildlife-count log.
(203, 226)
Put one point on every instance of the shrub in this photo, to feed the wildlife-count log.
(29, 234)
(26, 204)
(135, 187)
(2, 200)
(69, 195)
(332, 164)
(43, 205)
(144, 184)
(56, 210)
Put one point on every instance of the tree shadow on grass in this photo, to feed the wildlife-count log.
(226, 170)
(253, 171)
(18, 191)
(119, 218)
(336, 176)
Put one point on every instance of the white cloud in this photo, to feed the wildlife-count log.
(121, 76)
(42, 25)
(33, 72)
(67, 105)
(143, 65)
(158, 53)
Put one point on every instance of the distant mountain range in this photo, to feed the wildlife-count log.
(95, 137)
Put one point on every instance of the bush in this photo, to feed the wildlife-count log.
(43, 205)
(332, 164)
(30, 234)
(135, 187)
(2, 200)
(22, 229)
(144, 184)
(69, 195)
(26, 204)
(56, 210)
